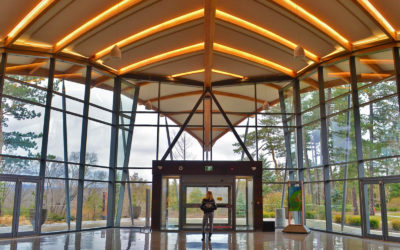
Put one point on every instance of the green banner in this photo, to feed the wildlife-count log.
(295, 198)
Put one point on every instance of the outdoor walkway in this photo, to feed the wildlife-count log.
(132, 239)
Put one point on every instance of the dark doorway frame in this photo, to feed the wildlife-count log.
(180, 168)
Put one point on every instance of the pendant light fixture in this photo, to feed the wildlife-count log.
(299, 52)
(116, 52)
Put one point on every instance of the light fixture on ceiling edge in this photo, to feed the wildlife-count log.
(298, 52)
(116, 52)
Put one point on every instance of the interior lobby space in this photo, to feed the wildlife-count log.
(122, 238)
(119, 117)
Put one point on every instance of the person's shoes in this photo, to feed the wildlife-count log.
(202, 239)
(209, 236)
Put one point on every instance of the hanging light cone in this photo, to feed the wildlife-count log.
(115, 52)
(148, 105)
(298, 52)
(265, 105)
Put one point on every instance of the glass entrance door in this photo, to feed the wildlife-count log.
(380, 196)
(18, 209)
(192, 215)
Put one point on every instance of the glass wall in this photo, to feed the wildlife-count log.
(87, 133)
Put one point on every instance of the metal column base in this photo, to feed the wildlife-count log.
(298, 229)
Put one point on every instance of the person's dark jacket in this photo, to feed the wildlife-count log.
(208, 206)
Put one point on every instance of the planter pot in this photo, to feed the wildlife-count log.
(32, 213)
(136, 211)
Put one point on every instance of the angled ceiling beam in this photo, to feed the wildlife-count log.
(151, 31)
(311, 82)
(272, 85)
(99, 81)
(65, 76)
(37, 60)
(242, 97)
(315, 21)
(378, 18)
(257, 79)
(263, 32)
(73, 69)
(25, 66)
(28, 20)
(94, 22)
(147, 77)
(212, 70)
(375, 68)
(200, 111)
(194, 16)
(164, 56)
(178, 95)
(253, 58)
(192, 93)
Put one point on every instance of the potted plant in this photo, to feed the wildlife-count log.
(136, 208)
(32, 216)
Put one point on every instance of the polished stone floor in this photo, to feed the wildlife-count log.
(132, 239)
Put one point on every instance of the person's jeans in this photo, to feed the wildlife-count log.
(208, 219)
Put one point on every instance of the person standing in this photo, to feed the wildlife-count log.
(208, 206)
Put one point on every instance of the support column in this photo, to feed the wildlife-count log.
(396, 57)
(299, 129)
(45, 139)
(82, 158)
(324, 149)
(286, 134)
(158, 121)
(3, 66)
(255, 117)
(125, 171)
(359, 151)
(66, 170)
(113, 152)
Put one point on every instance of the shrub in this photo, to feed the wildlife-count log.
(337, 218)
(354, 220)
(394, 203)
(396, 224)
(268, 214)
(392, 209)
(310, 214)
(374, 223)
(55, 217)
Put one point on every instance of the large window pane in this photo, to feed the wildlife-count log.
(315, 205)
(98, 143)
(22, 128)
(94, 213)
(380, 128)
(345, 194)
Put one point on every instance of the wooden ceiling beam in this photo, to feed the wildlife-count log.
(100, 81)
(311, 82)
(374, 14)
(375, 68)
(94, 22)
(209, 30)
(314, 21)
(178, 95)
(199, 92)
(37, 60)
(14, 68)
(41, 8)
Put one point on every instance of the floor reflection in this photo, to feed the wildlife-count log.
(133, 239)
